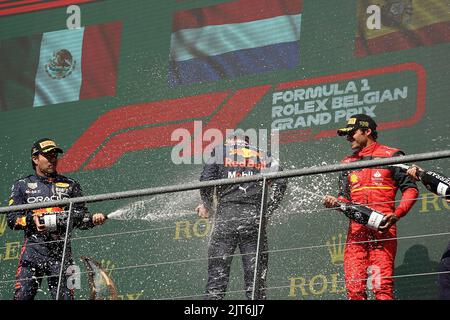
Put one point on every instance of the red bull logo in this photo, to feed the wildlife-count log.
(246, 163)
(246, 153)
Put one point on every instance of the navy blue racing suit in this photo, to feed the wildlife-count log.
(41, 253)
(237, 215)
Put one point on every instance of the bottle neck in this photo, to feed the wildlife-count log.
(420, 174)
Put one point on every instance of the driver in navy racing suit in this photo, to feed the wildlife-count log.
(237, 214)
(42, 251)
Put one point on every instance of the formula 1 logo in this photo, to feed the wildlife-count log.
(106, 133)
(150, 125)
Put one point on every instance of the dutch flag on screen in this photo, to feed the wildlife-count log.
(234, 38)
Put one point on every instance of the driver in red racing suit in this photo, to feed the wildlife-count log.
(375, 187)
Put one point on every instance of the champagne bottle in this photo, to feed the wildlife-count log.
(433, 181)
(362, 214)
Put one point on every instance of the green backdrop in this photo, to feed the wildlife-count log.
(160, 252)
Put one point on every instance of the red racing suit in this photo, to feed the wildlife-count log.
(375, 187)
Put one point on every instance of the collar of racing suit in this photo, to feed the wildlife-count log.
(46, 179)
(368, 150)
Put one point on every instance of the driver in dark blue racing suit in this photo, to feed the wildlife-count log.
(44, 229)
(237, 214)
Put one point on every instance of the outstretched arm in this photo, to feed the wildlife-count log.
(409, 196)
(82, 218)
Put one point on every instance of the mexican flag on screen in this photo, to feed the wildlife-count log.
(59, 66)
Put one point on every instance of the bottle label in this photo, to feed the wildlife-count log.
(439, 177)
(375, 220)
(442, 189)
(50, 222)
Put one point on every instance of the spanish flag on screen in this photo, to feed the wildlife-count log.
(59, 66)
(405, 24)
(234, 38)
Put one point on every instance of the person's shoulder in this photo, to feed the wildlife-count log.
(350, 158)
(389, 151)
(27, 179)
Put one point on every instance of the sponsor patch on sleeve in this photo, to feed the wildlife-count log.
(22, 221)
(62, 184)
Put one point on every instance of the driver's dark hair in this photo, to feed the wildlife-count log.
(374, 133)
(32, 162)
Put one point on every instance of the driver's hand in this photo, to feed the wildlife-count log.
(388, 221)
(98, 218)
(412, 172)
(202, 212)
(330, 201)
(39, 226)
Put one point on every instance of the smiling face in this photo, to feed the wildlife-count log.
(359, 139)
(46, 163)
